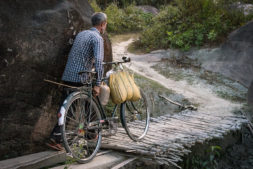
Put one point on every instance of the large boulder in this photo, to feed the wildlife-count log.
(148, 9)
(237, 55)
(35, 39)
(234, 58)
(250, 97)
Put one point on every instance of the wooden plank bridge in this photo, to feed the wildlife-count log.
(170, 137)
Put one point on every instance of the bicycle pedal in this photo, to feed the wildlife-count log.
(111, 128)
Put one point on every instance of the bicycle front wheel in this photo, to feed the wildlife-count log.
(81, 142)
(135, 117)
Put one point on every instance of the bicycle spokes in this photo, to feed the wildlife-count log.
(135, 117)
(81, 141)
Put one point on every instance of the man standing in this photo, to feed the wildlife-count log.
(88, 49)
(86, 52)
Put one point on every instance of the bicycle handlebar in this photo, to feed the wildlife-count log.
(86, 72)
(125, 60)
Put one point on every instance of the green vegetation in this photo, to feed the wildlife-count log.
(126, 20)
(109, 109)
(179, 24)
(95, 6)
(183, 68)
(192, 23)
(153, 89)
(210, 161)
(122, 20)
(125, 3)
(69, 160)
(145, 83)
(228, 96)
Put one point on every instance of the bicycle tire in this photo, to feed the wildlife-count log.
(80, 143)
(135, 117)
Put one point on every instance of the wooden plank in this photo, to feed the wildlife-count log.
(122, 164)
(168, 136)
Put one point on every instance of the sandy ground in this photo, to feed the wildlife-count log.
(197, 93)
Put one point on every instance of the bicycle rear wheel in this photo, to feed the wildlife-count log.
(135, 117)
(81, 142)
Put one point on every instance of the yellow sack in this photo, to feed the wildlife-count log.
(136, 91)
(118, 91)
(127, 84)
(123, 88)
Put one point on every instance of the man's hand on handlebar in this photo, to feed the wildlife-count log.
(96, 90)
(125, 60)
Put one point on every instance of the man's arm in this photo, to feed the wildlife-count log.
(99, 57)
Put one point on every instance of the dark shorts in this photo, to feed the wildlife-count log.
(76, 84)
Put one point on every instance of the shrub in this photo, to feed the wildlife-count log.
(121, 20)
(126, 20)
(136, 19)
(95, 6)
(155, 35)
(125, 3)
(116, 18)
(192, 23)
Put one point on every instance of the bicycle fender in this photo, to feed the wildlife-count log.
(63, 108)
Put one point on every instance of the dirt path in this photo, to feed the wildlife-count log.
(198, 94)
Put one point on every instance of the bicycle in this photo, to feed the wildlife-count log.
(82, 119)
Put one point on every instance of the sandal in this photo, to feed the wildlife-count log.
(54, 145)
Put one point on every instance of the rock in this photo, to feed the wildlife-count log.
(237, 54)
(234, 58)
(148, 9)
(246, 8)
(35, 39)
(250, 96)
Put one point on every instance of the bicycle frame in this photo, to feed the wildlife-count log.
(102, 109)
(83, 120)
(88, 90)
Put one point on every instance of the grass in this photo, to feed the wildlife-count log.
(146, 84)
(109, 109)
(227, 96)
(133, 48)
(176, 74)
(159, 105)
(224, 87)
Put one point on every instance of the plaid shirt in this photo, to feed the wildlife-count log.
(87, 50)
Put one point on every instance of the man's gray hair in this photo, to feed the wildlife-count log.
(98, 18)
